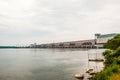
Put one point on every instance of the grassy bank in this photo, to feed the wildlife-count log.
(111, 70)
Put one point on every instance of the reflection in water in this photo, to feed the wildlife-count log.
(45, 64)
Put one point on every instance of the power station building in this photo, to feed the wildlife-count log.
(99, 42)
(73, 44)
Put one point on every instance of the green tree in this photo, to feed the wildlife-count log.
(113, 43)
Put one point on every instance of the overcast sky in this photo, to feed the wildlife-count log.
(23, 22)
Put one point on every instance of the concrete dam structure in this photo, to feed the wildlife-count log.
(70, 44)
(98, 42)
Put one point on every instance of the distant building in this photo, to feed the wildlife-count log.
(71, 44)
(99, 42)
(102, 39)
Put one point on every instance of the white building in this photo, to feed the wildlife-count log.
(102, 39)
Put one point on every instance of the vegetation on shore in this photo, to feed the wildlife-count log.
(111, 70)
(114, 43)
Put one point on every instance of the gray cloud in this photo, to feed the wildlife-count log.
(44, 21)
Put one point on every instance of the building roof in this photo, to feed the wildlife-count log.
(107, 35)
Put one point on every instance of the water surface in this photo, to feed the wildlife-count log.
(46, 64)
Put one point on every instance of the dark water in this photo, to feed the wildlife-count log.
(45, 64)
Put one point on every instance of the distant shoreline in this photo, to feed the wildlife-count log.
(8, 47)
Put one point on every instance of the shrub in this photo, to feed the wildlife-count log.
(116, 52)
(118, 60)
(109, 71)
(107, 52)
(113, 43)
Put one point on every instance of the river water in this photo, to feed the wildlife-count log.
(46, 64)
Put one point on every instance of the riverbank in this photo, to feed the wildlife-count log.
(111, 70)
(112, 66)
